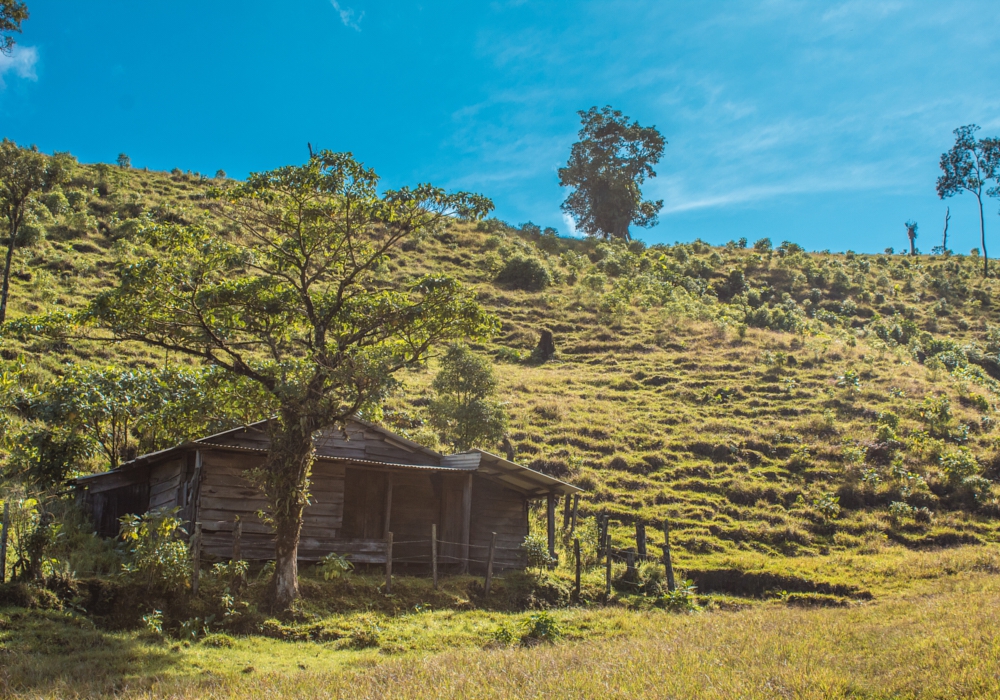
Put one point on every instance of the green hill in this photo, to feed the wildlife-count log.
(761, 397)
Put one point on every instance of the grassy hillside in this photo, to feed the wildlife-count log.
(764, 399)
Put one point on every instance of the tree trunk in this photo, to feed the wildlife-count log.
(982, 237)
(285, 479)
(6, 272)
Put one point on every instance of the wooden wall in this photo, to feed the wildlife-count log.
(504, 511)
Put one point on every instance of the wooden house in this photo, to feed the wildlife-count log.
(366, 482)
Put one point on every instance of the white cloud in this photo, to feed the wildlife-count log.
(21, 63)
(347, 16)
(571, 226)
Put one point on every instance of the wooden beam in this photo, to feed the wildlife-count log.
(466, 521)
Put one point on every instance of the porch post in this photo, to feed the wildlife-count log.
(466, 521)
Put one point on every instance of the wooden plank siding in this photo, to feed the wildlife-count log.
(504, 511)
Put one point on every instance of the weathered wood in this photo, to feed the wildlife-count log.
(550, 515)
(237, 539)
(607, 567)
(489, 564)
(4, 530)
(576, 510)
(388, 503)
(566, 507)
(671, 585)
(388, 563)
(466, 521)
(640, 538)
(434, 554)
(576, 553)
(196, 558)
(630, 571)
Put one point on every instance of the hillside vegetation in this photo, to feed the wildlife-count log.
(758, 396)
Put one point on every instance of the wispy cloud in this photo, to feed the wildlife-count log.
(21, 63)
(347, 16)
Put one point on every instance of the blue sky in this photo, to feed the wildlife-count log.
(815, 122)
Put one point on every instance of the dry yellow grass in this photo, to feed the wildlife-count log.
(940, 639)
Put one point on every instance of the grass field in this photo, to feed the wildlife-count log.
(931, 631)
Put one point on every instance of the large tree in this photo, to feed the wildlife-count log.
(12, 13)
(298, 297)
(22, 173)
(967, 167)
(606, 167)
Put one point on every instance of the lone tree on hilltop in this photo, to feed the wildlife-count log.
(297, 297)
(466, 411)
(22, 173)
(967, 167)
(911, 233)
(606, 166)
(124, 162)
(12, 13)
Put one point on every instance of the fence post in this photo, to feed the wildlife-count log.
(666, 557)
(489, 564)
(576, 509)
(196, 558)
(566, 505)
(630, 571)
(434, 554)
(640, 539)
(551, 522)
(237, 539)
(238, 549)
(576, 552)
(3, 541)
(388, 563)
(607, 568)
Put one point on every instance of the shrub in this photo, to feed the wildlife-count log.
(29, 235)
(762, 245)
(827, 506)
(155, 557)
(541, 627)
(523, 272)
(682, 598)
(537, 549)
(334, 565)
(56, 202)
(959, 465)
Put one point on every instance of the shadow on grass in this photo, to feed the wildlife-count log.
(61, 654)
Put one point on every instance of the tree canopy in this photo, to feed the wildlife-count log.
(298, 297)
(466, 411)
(606, 167)
(22, 173)
(12, 13)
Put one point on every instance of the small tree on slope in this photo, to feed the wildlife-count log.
(297, 299)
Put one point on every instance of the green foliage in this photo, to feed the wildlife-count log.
(32, 531)
(606, 167)
(524, 272)
(154, 554)
(682, 598)
(959, 465)
(827, 505)
(12, 14)
(538, 628)
(335, 565)
(936, 415)
(465, 410)
(537, 550)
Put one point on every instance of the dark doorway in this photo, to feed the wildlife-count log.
(364, 504)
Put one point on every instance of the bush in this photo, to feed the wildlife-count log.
(959, 465)
(29, 235)
(56, 202)
(682, 598)
(155, 556)
(537, 549)
(523, 272)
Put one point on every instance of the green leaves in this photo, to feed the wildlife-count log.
(466, 411)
